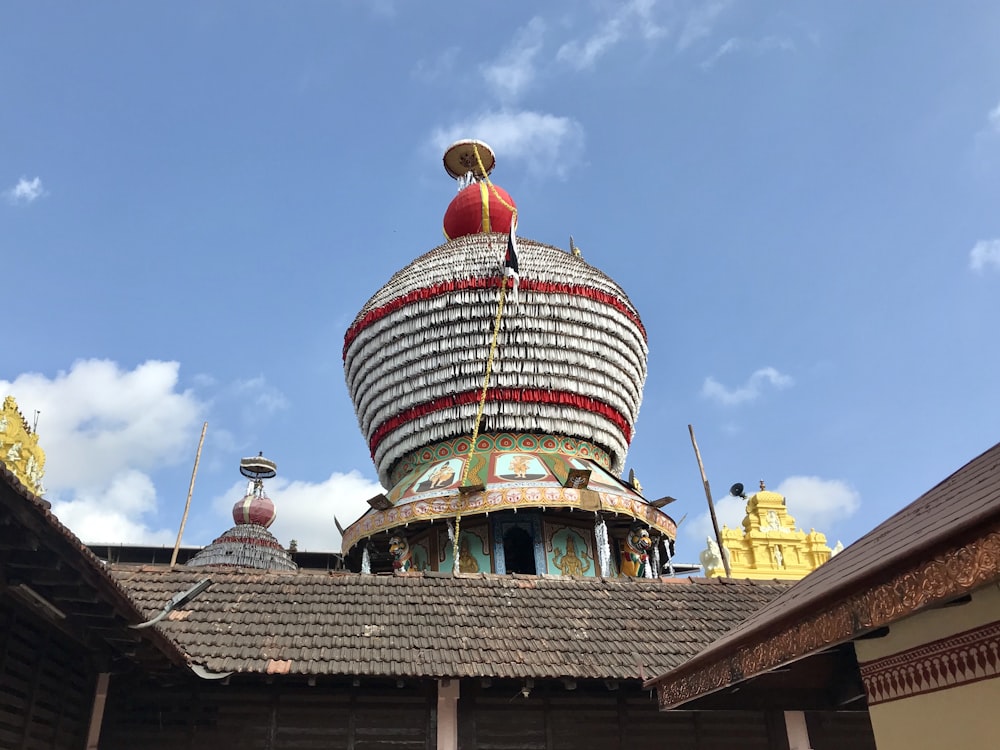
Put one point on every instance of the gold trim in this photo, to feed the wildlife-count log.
(950, 574)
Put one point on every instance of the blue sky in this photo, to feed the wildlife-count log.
(800, 198)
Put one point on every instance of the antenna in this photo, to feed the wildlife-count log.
(34, 427)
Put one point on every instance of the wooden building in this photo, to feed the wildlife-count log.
(64, 630)
(916, 602)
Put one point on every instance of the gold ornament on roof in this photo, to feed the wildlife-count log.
(19, 448)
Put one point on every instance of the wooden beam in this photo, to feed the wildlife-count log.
(97, 712)
(447, 714)
(798, 732)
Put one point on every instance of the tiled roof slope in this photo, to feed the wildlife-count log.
(437, 625)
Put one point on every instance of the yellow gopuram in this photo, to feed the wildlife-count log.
(19, 449)
(769, 545)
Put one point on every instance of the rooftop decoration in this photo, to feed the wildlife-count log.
(769, 545)
(19, 448)
(499, 375)
(249, 544)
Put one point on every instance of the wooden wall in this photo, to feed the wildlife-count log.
(614, 720)
(252, 714)
(261, 716)
(46, 684)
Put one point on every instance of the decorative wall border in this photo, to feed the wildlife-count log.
(492, 500)
(958, 659)
(950, 574)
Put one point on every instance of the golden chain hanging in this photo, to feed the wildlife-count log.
(489, 359)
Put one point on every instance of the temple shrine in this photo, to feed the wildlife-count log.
(497, 381)
(768, 545)
(249, 544)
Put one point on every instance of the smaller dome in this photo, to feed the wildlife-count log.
(256, 509)
(478, 208)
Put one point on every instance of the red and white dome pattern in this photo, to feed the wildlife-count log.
(254, 508)
(571, 358)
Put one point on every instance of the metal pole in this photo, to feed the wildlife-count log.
(711, 505)
(187, 505)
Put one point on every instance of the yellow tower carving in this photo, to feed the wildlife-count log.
(19, 449)
(768, 546)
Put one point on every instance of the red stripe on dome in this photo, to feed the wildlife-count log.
(456, 285)
(524, 396)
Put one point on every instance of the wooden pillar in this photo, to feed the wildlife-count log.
(97, 712)
(447, 714)
(798, 732)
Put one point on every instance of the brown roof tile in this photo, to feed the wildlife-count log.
(443, 626)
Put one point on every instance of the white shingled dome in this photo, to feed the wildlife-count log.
(571, 358)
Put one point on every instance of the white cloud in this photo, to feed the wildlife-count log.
(114, 513)
(102, 428)
(751, 46)
(25, 191)
(635, 16)
(749, 391)
(437, 69)
(304, 511)
(583, 54)
(985, 254)
(258, 396)
(700, 22)
(545, 143)
(818, 503)
(814, 503)
(994, 118)
(514, 70)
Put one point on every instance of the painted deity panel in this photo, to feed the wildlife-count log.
(439, 476)
(569, 551)
(520, 467)
(473, 550)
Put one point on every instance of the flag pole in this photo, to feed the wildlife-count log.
(187, 505)
(711, 505)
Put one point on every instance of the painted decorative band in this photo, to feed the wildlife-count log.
(496, 500)
(501, 442)
(959, 659)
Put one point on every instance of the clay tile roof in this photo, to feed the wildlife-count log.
(316, 622)
(927, 553)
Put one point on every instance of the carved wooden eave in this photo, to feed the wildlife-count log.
(914, 572)
(952, 574)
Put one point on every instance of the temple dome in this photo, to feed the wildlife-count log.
(571, 356)
(249, 544)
